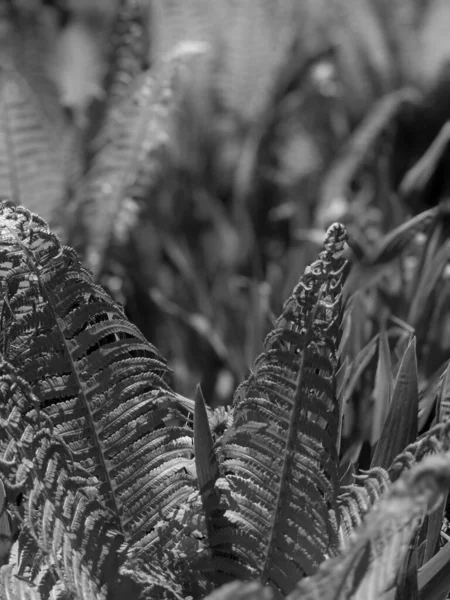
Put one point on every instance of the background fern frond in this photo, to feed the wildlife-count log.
(31, 168)
(279, 458)
(130, 50)
(129, 165)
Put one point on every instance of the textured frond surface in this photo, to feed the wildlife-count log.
(368, 568)
(62, 516)
(31, 167)
(13, 587)
(68, 545)
(102, 385)
(355, 501)
(279, 458)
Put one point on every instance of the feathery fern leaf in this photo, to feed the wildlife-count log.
(367, 569)
(130, 163)
(62, 517)
(355, 501)
(31, 169)
(79, 547)
(12, 586)
(279, 458)
(103, 386)
(436, 440)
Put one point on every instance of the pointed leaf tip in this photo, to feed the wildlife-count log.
(400, 428)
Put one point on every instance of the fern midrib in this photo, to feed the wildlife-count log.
(32, 263)
(288, 457)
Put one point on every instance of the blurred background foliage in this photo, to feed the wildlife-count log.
(198, 193)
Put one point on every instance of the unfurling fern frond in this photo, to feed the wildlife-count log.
(131, 162)
(368, 568)
(31, 167)
(278, 461)
(102, 385)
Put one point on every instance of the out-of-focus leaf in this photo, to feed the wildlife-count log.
(78, 67)
(425, 182)
(393, 244)
(375, 264)
(240, 590)
(431, 274)
(433, 531)
(196, 321)
(344, 175)
(430, 64)
(407, 578)
(383, 387)
(434, 576)
(400, 428)
(443, 407)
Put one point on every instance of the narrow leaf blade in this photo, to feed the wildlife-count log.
(400, 428)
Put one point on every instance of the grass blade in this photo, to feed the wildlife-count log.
(400, 428)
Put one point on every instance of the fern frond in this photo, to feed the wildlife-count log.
(130, 52)
(102, 385)
(355, 501)
(369, 566)
(31, 169)
(63, 517)
(130, 163)
(68, 537)
(253, 46)
(436, 440)
(12, 586)
(278, 460)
